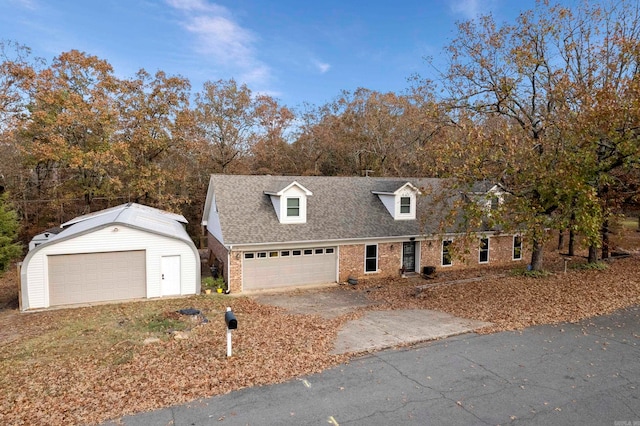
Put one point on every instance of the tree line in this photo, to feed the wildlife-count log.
(547, 106)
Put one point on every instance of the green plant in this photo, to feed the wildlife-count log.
(593, 266)
(163, 323)
(213, 283)
(530, 273)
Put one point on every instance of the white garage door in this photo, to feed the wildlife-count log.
(96, 277)
(293, 267)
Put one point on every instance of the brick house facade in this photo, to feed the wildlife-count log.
(271, 232)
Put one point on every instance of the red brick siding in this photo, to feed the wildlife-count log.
(351, 258)
(500, 253)
(352, 261)
(235, 272)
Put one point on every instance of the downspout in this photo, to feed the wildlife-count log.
(229, 268)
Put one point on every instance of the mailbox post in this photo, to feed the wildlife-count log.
(232, 324)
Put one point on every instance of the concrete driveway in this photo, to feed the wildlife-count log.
(376, 329)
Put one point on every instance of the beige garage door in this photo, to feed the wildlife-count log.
(291, 267)
(96, 277)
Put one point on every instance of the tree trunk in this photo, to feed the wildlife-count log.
(572, 243)
(605, 240)
(593, 254)
(536, 256)
(560, 240)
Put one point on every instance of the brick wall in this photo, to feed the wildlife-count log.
(234, 283)
(466, 253)
(351, 258)
(233, 268)
(352, 261)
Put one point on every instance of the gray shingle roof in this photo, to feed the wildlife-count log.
(340, 208)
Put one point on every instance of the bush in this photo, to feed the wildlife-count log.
(213, 283)
(591, 266)
(529, 273)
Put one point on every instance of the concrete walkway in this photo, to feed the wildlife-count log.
(376, 329)
(384, 329)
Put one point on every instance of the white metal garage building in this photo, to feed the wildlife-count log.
(122, 253)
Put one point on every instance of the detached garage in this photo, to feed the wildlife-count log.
(124, 253)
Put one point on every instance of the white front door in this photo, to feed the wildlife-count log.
(170, 278)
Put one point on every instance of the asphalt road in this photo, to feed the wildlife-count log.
(568, 374)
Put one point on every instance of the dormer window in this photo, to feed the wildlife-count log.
(401, 202)
(293, 207)
(405, 205)
(289, 200)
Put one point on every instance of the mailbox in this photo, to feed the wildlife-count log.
(230, 319)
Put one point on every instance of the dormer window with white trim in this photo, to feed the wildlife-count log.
(293, 207)
(405, 205)
(290, 202)
(400, 203)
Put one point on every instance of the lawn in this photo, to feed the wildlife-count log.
(87, 365)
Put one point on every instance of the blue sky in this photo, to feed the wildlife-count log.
(296, 51)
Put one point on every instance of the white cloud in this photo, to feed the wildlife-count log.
(323, 67)
(27, 4)
(470, 8)
(223, 40)
(195, 6)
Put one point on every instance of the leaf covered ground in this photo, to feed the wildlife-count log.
(87, 365)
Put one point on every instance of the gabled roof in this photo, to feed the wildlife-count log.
(392, 188)
(483, 187)
(341, 208)
(281, 187)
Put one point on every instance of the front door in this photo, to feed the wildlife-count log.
(170, 280)
(409, 256)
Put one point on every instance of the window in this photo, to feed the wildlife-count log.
(446, 253)
(517, 247)
(319, 251)
(284, 253)
(371, 258)
(484, 250)
(495, 203)
(296, 252)
(405, 205)
(328, 250)
(293, 207)
(262, 254)
(248, 256)
(273, 254)
(308, 252)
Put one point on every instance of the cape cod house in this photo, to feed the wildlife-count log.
(267, 232)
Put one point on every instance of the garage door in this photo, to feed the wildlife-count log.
(282, 268)
(96, 277)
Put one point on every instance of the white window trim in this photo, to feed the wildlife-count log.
(513, 248)
(410, 205)
(442, 254)
(377, 258)
(299, 207)
(488, 251)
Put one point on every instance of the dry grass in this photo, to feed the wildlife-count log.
(86, 365)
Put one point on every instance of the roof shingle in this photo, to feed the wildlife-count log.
(341, 208)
